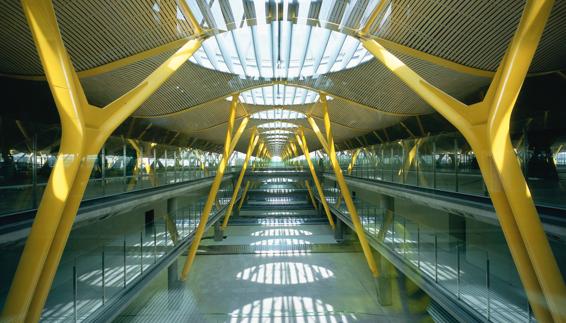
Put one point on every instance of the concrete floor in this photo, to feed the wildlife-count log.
(268, 287)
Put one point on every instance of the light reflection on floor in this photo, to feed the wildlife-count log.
(279, 308)
(281, 222)
(272, 285)
(280, 242)
(284, 273)
(281, 232)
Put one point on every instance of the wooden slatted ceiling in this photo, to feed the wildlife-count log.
(369, 84)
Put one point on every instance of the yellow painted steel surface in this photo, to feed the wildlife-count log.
(311, 196)
(253, 142)
(244, 195)
(328, 144)
(229, 144)
(485, 125)
(350, 168)
(84, 130)
(301, 139)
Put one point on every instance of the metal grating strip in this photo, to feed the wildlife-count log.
(279, 249)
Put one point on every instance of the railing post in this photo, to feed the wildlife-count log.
(417, 162)
(436, 258)
(488, 288)
(103, 277)
(141, 252)
(125, 262)
(382, 163)
(175, 166)
(166, 166)
(404, 158)
(75, 292)
(155, 175)
(458, 271)
(418, 246)
(140, 172)
(124, 159)
(391, 164)
(404, 237)
(434, 163)
(456, 165)
(154, 241)
(103, 169)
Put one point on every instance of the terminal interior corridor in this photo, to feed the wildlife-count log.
(283, 161)
(278, 262)
(286, 282)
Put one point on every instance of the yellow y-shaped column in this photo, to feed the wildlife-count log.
(246, 188)
(260, 152)
(229, 145)
(485, 125)
(311, 195)
(350, 169)
(253, 141)
(84, 130)
(328, 145)
(302, 141)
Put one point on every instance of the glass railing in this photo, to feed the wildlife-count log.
(95, 270)
(122, 165)
(19, 198)
(480, 276)
(445, 162)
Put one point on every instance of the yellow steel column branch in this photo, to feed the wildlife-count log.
(230, 125)
(342, 183)
(350, 168)
(376, 11)
(190, 17)
(302, 141)
(318, 134)
(353, 161)
(244, 195)
(253, 141)
(411, 157)
(230, 142)
(485, 126)
(85, 128)
(234, 140)
(100, 123)
(313, 201)
(137, 167)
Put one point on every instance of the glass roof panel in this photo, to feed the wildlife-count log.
(266, 50)
(278, 95)
(277, 132)
(277, 137)
(278, 114)
(277, 125)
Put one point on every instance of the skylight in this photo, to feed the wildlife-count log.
(278, 114)
(277, 125)
(265, 51)
(277, 132)
(276, 137)
(278, 94)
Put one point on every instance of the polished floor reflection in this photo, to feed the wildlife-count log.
(295, 286)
